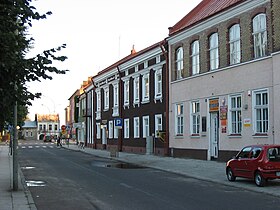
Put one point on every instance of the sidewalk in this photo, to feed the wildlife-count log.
(199, 169)
(212, 171)
(9, 199)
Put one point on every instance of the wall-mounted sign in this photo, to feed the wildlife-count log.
(247, 122)
(213, 105)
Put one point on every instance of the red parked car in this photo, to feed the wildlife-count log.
(257, 162)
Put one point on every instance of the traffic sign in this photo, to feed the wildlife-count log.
(118, 123)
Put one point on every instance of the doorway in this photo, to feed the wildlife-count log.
(214, 134)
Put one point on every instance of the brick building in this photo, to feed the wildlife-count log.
(224, 54)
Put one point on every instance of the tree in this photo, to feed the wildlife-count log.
(16, 69)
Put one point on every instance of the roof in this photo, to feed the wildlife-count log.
(205, 9)
(127, 58)
(29, 124)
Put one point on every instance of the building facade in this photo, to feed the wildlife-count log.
(224, 78)
(48, 126)
(131, 92)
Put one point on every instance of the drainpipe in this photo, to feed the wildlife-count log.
(120, 139)
(165, 53)
(94, 116)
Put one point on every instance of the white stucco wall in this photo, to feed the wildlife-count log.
(220, 84)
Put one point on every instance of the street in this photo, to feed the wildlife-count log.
(59, 178)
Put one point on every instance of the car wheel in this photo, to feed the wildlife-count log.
(259, 180)
(230, 175)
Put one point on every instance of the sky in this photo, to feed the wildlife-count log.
(97, 33)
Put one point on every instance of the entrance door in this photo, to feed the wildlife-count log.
(214, 134)
(104, 137)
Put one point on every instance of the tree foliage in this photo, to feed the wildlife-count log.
(16, 69)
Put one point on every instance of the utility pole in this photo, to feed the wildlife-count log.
(15, 152)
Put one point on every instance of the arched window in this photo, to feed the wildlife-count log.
(195, 57)
(214, 51)
(234, 43)
(260, 35)
(179, 62)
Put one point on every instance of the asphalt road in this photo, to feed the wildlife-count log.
(63, 179)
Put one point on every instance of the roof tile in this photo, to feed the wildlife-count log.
(202, 11)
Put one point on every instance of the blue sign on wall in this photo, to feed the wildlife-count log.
(118, 123)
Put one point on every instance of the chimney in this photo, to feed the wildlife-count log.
(133, 51)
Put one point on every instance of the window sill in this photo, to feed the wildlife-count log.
(145, 102)
(179, 136)
(234, 135)
(260, 135)
(195, 136)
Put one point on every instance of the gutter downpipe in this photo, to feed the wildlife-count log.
(165, 53)
(94, 116)
(120, 139)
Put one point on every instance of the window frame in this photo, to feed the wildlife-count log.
(136, 90)
(158, 84)
(146, 127)
(179, 119)
(146, 87)
(259, 35)
(234, 44)
(111, 124)
(264, 112)
(126, 92)
(195, 58)
(235, 111)
(214, 51)
(157, 125)
(136, 128)
(195, 118)
(126, 128)
(179, 61)
(106, 98)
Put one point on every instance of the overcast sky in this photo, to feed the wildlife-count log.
(97, 33)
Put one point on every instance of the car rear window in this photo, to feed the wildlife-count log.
(274, 154)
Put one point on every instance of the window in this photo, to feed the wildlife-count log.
(98, 131)
(145, 87)
(179, 119)
(244, 153)
(115, 100)
(40, 127)
(26, 133)
(195, 57)
(126, 128)
(31, 134)
(179, 62)
(260, 101)
(126, 92)
(146, 127)
(195, 118)
(116, 95)
(50, 127)
(234, 43)
(116, 132)
(110, 129)
(98, 101)
(98, 105)
(214, 51)
(106, 98)
(235, 120)
(136, 127)
(55, 127)
(259, 35)
(158, 84)
(136, 90)
(158, 123)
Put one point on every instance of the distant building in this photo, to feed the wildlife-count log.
(48, 126)
(29, 130)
